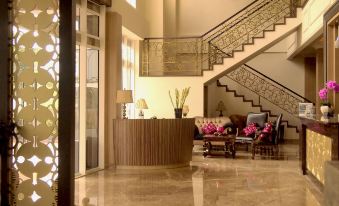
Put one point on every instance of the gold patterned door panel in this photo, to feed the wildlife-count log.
(318, 151)
(35, 76)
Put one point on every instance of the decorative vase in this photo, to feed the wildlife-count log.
(178, 113)
(326, 110)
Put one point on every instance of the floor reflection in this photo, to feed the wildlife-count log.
(209, 181)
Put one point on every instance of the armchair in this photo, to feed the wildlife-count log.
(269, 147)
(260, 119)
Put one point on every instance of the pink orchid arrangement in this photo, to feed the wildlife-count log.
(330, 85)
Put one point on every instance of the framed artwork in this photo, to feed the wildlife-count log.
(306, 109)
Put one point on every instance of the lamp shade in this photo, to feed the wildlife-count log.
(185, 109)
(221, 106)
(141, 104)
(124, 96)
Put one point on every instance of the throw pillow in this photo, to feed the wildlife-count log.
(250, 129)
(266, 133)
(209, 128)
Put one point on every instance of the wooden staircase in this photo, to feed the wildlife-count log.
(270, 113)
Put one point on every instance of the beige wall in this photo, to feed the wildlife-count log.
(195, 17)
(312, 26)
(288, 73)
(133, 19)
(155, 91)
(155, 17)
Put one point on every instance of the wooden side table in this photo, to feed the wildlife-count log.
(229, 144)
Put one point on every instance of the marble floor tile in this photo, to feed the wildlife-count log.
(210, 181)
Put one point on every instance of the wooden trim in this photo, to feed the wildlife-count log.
(327, 17)
(66, 103)
(4, 94)
(4, 61)
(103, 2)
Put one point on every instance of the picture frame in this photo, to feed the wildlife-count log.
(306, 109)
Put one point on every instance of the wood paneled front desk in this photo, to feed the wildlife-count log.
(153, 143)
(319, 143)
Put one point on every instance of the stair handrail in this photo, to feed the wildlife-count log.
(204, 54)
(275, 82)
(246, 78)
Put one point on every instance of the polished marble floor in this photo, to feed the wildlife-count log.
(207, 182)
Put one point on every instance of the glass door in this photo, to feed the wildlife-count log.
(89, 141)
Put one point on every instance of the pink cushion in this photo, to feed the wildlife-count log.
(209, 128)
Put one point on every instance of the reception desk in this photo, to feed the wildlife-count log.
(319, 144)
(153, 143)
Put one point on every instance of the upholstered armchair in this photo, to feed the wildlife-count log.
(269, 147)
(260, 119)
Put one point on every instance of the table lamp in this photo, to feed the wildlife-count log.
(141, 104)
(124, 97)
(221, 107)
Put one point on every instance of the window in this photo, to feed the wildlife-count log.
(133, 3)
(128, 66)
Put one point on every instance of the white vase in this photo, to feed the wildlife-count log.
(326, 110)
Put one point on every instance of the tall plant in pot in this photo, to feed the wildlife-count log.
(179, 101)
(326, 107)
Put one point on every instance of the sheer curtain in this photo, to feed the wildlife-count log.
(128, 67)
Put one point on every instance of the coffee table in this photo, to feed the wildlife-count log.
(228, 140)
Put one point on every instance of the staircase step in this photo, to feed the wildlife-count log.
(271, 115)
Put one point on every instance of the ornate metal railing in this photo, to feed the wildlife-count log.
(249, 23)
(172, 56)
(267, 88)
(192, 55)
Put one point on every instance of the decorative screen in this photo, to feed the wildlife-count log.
(35, 68)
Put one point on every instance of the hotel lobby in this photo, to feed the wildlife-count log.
(169, 102)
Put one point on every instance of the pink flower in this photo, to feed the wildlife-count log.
(331, 84)
(323, 94)
(336, 88)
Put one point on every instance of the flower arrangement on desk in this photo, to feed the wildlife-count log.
(326, 108)
(179, 101)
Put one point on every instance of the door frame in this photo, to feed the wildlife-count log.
(4, 90)
(66, 103)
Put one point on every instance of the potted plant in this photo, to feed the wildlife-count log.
(326, 108)
(179, 101)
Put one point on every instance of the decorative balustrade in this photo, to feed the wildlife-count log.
(267, 88)
(250, 23)
(173, 57)
(190, 56)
